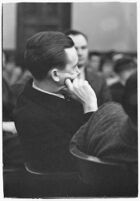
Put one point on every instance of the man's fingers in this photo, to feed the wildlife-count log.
(69, 84)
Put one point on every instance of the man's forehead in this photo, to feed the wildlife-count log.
(71, 53)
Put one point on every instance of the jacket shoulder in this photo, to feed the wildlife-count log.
(93, 76)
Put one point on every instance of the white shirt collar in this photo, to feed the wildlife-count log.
(47, 92)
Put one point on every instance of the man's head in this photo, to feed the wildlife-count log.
(81, 45)
(51, 55)
(124, 67)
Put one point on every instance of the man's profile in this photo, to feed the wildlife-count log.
(44, 118)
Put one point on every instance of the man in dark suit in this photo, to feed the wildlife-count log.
(44, 118)
(124, 68)
(97, 82)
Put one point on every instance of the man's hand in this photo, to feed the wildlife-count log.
(83, 92)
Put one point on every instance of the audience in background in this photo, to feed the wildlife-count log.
(12, 154)
(107, 68)
(97, 82)
(15, 76)
(123, 68)
(111, 132)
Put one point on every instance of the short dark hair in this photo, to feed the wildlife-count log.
(124, 64)
(129, 100)
(45, 50)
(75, 33)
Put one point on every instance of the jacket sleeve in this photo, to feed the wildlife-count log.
(87, 117)
(79, 139)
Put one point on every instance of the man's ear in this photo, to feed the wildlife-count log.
(54, 74)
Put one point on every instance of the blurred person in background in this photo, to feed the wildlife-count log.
(123, 67)
(96, 81)
(18, 87)
(11, 72)
(12, 154)
(95, 61)
(107, 68)
(117, 56)
(15, 77)
(8, 98)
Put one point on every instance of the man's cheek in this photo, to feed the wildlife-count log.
(70, 76)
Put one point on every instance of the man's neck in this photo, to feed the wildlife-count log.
(47, 86)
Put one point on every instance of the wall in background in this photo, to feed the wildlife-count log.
(9, 26)
(107, 25)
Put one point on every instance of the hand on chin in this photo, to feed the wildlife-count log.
(64, 91)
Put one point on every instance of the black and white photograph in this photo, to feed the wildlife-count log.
(69, 99)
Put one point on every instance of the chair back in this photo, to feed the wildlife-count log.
(108, 179)
(53, 184)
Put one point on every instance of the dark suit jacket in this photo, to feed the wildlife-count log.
(45, 124)
(117, 90)
(98, 83)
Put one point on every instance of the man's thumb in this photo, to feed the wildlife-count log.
(69, 84)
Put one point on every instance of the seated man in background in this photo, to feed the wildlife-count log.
(12, 153)
(47, 114)
(123, 68)
(18, 87)
(97, 82)
(111, 132)
(11, 72)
